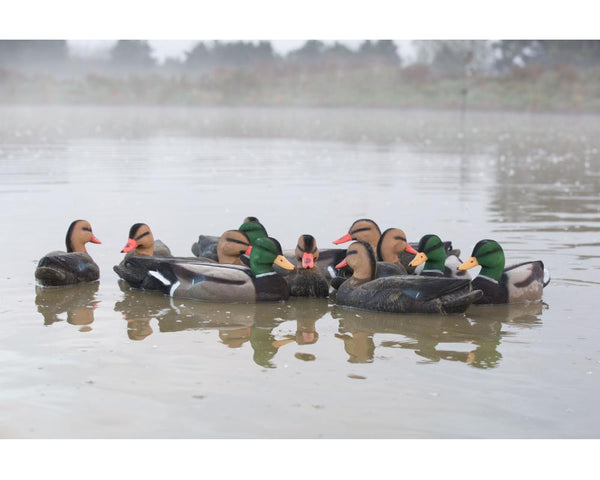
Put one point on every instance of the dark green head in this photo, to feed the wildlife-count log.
(431, 250)
(254, 231)
(488, 254)
(266, 252)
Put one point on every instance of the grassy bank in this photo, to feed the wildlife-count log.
(532, 89)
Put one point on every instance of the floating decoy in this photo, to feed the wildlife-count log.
(400, 294)
(206, 246)
(59, 268)
(433, 254)
(307, 279)
(141, 241)
(392, 247)
(186, 278)
(519, 283)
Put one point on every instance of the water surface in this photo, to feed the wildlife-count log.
(104, 361)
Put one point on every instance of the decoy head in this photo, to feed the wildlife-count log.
(361, 259)
(78, 234)
(488, 254)
(140, 239)
(431, 249)
(231, 246)
(265, 253)
(251, 219)
(362, 230)
(306, 252)
(254, 231)
(391, 243)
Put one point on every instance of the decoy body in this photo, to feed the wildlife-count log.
(307, 280)
(73, 266)
(400, 294)
(186, 278)
(519, 283)
(438, 263)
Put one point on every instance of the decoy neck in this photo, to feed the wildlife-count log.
(432, 252)
(78, 234)
(140, 239)
(488, 254)
(306, 252)
(391, 243)
(362, 230)
(361, 259)
(265, 253)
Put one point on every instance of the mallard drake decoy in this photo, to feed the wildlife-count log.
(392, 247)
(438, 263)
(519, 283)
(186, 278)
(140, 241)
(400, 294)
(58, 268)
(206, 246)
(307, 280)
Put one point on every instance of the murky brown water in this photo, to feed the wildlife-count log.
(97, 361)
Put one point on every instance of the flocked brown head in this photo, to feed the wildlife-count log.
(306, 252)
(391, 243)
(361, 259)
(232, 245)
(140, 239)
(78, 234)
(362, 230)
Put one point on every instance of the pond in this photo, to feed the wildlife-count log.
(104, 361)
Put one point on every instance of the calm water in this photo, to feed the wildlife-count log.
(103, 361)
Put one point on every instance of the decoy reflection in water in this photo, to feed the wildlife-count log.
(76, 303)
(57, 269)
(400, 294)
(307, 280)
(437, 262)
(519, 283)
(430, 337)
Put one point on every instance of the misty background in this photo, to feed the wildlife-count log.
(532, 75)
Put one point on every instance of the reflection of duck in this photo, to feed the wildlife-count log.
(400, 294)
(519, 283)
(210, 281)
(73, 266)
(431, 337)
(438, 263)
(306, 279)
(78, 302)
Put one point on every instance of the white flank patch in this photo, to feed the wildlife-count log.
(174, 287)
(331, 271)
(159, 276)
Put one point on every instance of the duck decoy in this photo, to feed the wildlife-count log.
(523, 282)
(438, 263)
(392, 247)
(206, 246)
(307, 279)
(59, 268)
(141, 242)
(212, 281)
(400, 294)
(362, 230)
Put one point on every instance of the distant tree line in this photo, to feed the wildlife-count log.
(433, 57)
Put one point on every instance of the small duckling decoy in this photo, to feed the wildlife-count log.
(438, 263)
(58, 268)
(519, 283)
(141, 242)
(211, 281)
(307, 280)
(400, 294)
(392, 247)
